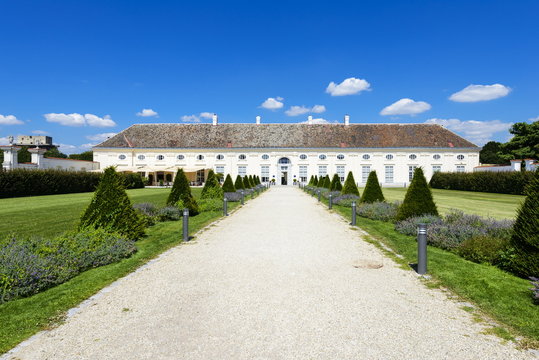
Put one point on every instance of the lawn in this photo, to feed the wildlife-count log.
(51, 215)
(498, 206)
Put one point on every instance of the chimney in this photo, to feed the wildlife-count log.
(258, 119)
(310, 120)
(346, 119)
(214, 119)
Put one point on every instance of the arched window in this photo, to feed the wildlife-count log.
(284, 160)
(340, 157)
(303, 157)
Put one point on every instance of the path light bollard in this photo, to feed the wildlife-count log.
(225, 207)
(330, 203)
(242, 197)
(185, 224)
(353, 223)
(319, 193)
(422, 249)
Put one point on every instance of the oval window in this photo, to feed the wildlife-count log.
(200, 157)
(220, 157)
(436, 156)
(265, 157)
(366, 156)
(242, 157)
(303, 156)
(340, 157)
(389, 157)
(141, 157)
(160, 157)
(122, 157)
(412, 157)
(322, 157)
(460, 157)
(180, 157)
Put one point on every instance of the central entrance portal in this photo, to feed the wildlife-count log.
(284, 167)
(284, 178)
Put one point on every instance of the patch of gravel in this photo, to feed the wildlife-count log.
(277, 280)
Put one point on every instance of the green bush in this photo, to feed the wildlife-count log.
(525, 239)
(238, 184)
(503, 182)
(311, 180)
(246, 182)
(182, 191)
(335, 183)
(228, 185)
(483, 249)
(211, 204)
(418, 199)
(315, 181)
(211, 189)
(373, 191)
(111, 209)
(350, 186)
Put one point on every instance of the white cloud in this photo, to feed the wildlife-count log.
(534, 119)
(10, 120)
(405, 107)
(300, 110)
(80, 120)
(273, 103)
(206, 115)
(190, 118)
(319, 121)
(87, 147)
(475, 93)
(147, 113)
(40, 132)
(297, 110)
(349, 86)
(68, 149)
(4, 140)
(478, 132)
(100, 137)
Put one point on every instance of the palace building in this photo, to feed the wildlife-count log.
(287, 153)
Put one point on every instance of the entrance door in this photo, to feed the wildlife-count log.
(284, 178)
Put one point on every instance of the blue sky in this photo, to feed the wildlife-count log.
(80, 69)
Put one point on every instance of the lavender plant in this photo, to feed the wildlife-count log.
(379, 210)
(535, 289)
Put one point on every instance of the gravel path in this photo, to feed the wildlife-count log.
(276, 280)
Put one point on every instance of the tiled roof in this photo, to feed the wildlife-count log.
(286, 136)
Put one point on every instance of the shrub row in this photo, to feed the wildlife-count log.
(30, 182)
(28, 266)
(506, 182)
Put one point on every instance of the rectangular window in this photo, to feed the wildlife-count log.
(303, 173)
(264, 173)
(322, 170)
(436, 168)
(340, 172)
(461, 168)
(242, 171)
(389, 174)
(411, 170)
(365, 171)
(220, 169)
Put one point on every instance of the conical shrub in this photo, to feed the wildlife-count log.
(212, 188)
(335, 183)
(238, 184)
(418, 199)
(373, 191)
(111, 209)
(350, 186)
(182, 191)
(315, 181)
(251, 181)
(311, 180)
(228, 185)
(246, 183)
(525, 238)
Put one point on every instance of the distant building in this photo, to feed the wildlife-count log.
(516, 165)
(287, 152)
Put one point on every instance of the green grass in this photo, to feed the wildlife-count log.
(22, 318)
(51, 215)
(498, 206)
(502, 296)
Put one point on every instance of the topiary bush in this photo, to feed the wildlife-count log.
(311, 180)
(525, 238)
(111, 209)
(238, 184)
(212, 189)
(373, 191)
(182, 191)
(350, 186)
(335, 183)
(418, 199)
(315, 181)
(228, 185)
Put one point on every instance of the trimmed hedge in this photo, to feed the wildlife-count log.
(34, 182)
(505, 182)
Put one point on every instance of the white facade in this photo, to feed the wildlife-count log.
(394, 166)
